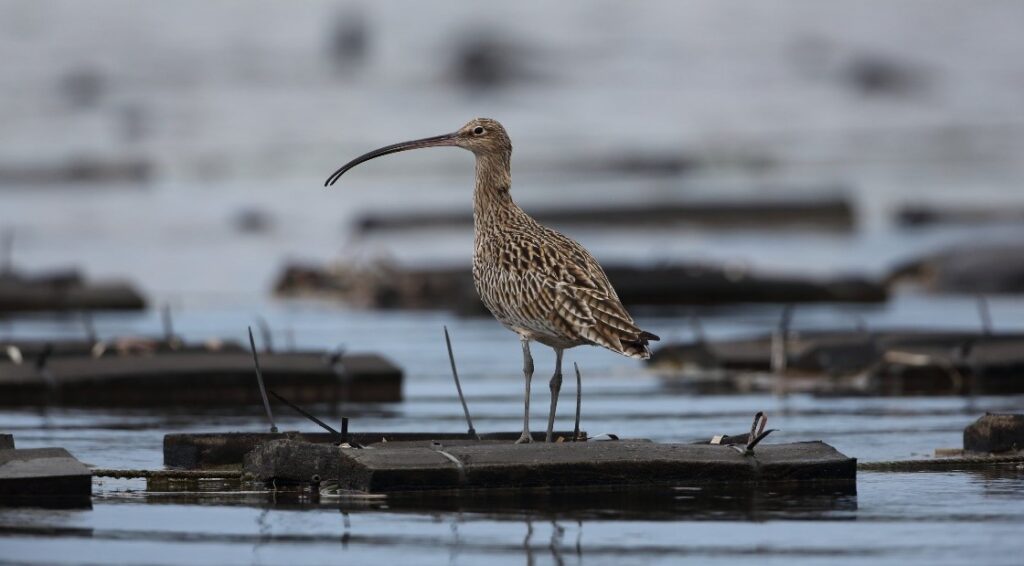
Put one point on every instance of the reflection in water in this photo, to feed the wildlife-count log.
(346, 534)
(726, 502)
(265, 532)
(831, 500)
(526, 543)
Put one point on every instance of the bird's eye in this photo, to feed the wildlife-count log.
(478, 130)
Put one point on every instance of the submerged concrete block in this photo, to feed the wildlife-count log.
(995, 433)
(45, 476)
(383, 469)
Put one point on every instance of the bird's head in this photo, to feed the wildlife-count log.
(482, 136)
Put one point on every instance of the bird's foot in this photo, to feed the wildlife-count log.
(524, 438)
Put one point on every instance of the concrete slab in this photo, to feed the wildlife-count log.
(382, 286)
(891, 362)
(571, 465)
(28, 296)
(44, 476)
(216, 450)
(828, 213)
(994, 433)
(191, 378)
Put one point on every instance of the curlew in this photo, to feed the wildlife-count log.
(541, 285)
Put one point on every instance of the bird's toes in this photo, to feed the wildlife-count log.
(524, 438)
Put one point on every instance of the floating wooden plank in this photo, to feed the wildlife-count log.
(215, 450)
(43, 476)
(205, 378)
(383, 469)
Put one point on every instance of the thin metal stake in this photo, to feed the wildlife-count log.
(268, 342)
(698, 329)
(985, 315)
(302, 412)
(458, 386)
(259, 379)
(579, 399)
(6, 261)
(90, 328)
(780, 349)
(165, 317)
(41, 360)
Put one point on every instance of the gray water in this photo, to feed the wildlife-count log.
(935, 518)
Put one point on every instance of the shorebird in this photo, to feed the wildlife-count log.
(540, 284)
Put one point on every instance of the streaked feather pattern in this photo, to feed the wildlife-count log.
(542, 284)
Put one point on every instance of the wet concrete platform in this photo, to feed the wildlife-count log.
(43, 476)
(889, 362)
(28, 294)
(385, 469)
(199, 378)
(218, 449)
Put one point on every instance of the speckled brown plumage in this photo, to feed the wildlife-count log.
(538, 283)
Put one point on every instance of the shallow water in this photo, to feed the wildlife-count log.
(937, 518)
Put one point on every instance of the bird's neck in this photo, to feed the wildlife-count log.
(493, 180)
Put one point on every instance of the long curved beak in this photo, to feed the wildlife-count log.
(436, 141)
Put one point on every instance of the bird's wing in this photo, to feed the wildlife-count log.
(553, 284)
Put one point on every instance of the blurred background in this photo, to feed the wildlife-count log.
(183, 145)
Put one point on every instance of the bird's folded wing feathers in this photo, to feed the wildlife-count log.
(575, 297)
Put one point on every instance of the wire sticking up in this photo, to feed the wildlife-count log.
(579, 403)
(268, 339)
(757, 434)
(780, 341)
(41, 366)
(168, 324)
(259, 379)
(89, 326)
(985, 315)
(458, 386)
(301, 411)
(7, 251)
(699, 336)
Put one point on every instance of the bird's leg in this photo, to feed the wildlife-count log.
(556, 386)
(527, 376)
